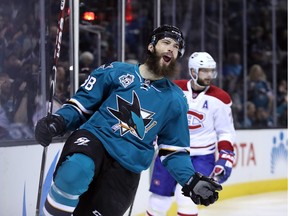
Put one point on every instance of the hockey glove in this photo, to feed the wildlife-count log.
(48, 127)
(223, 166)
(201, 189)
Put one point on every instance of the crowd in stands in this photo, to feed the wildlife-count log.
(259, 79)
(19, 67)
(20, 97)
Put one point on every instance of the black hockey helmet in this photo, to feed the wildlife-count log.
(171, 32)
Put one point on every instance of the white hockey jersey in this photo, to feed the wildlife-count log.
(209, 118)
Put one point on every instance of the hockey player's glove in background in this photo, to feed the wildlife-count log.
(49, 127)
(201, 189)
(223, 166)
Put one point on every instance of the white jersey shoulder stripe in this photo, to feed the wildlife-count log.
(82, 108)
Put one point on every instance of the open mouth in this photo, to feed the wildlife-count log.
(166, 58)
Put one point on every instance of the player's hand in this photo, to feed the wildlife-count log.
(223, 166)
(201, 189)
(48, 127)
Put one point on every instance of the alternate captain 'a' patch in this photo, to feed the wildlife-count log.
(132, 118)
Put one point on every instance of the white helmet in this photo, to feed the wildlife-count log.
(201, 60)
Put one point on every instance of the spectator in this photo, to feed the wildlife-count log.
(237, 107)
(232, 71)
(6, 99)
(263, 118)
(86, 64)
(9, 111)
(259, 91)
(62, 87)
(4, 124)
(5, 91)
(3, 40)
(250, 118)
(25, 89)
(12, 63)
(282, 101)
(260, 47)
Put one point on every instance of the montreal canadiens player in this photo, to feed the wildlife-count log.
(116, 115)
(211, 132)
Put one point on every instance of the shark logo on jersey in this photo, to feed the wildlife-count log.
(132, 118)
(126, 80)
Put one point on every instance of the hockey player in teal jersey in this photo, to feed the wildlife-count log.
(116, 115)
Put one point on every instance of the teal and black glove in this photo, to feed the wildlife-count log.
(49, 127)
(201, 189)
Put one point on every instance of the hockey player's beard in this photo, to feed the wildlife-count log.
(203, 83)
(153, 63)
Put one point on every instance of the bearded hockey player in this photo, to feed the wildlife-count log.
(115, 116)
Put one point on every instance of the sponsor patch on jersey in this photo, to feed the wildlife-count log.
(126, 80)
(82, 141)
(95, 212)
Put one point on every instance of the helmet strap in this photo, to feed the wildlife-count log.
(195, 79)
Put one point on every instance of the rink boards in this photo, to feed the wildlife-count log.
(261, 166)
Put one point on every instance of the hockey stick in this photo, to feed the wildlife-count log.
(131, 207)
(51, 94)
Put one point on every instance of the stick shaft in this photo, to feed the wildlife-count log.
(56, 54)
(43, 162)
(51, 94)
(131, 207)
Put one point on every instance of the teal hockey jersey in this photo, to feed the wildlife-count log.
(127, 113)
